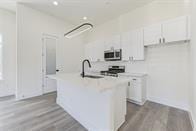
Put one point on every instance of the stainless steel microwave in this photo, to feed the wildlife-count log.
(113, 55)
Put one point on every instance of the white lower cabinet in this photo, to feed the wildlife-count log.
(136, 91)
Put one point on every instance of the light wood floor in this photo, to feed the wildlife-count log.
(43, 114)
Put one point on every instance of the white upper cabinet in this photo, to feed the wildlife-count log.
(98, 50)
(175, 29)
(132, 45)
(152, 34)
(95, 51)
(126, 47)
(137, 42)
(113, 42)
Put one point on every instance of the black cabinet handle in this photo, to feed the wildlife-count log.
(163, 40)
(57, 70)
(160, 40)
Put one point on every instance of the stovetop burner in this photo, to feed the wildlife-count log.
(113, 71)
(109, 73)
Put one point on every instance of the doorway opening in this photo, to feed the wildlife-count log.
(49, 43)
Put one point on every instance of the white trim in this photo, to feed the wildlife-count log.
(1, 55)
(193, 121)
(20, 97)
(183, 106)
(136, 102)
(44, 36)
(1, 38)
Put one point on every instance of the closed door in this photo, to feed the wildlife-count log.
(175, 29)
(137, 44)
(134, 90)
(49, 63)
(133, 45)
(153, 35)
(113, 42)
(99, 50)
(108, 44)
(126, 46)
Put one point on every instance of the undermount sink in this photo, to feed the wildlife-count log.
(93, 77)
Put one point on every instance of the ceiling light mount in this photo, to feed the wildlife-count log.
(78, 30)
(85, 18)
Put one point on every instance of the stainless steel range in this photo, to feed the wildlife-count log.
(113, 71)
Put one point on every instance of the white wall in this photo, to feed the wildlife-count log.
(8, 30)
(193, 64)
(31, 25)
(167, 66)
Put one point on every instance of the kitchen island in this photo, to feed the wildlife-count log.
(98, 104)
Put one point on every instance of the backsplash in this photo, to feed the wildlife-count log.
(167, 69)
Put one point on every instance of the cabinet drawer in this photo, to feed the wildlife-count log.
(136, 80)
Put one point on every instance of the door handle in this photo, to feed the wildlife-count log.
(57, 70)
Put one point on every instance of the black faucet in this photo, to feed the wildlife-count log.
(83, 74)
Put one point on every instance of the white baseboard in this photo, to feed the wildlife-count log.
(21, 97)
(170, 103)
(6, 92)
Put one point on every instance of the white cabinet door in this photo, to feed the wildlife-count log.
(132, 45)
(95, 51)
(113, 42)
(134, 90)
(137, 44)
(98, 50)
(152, 34)
(175, 29)
(126, 47)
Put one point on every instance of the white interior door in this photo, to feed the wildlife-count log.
(49, 63)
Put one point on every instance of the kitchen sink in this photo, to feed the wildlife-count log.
(93, 77)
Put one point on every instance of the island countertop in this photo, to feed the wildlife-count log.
(101, 84)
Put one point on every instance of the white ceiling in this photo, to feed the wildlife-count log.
(97, 11)
(8, 5)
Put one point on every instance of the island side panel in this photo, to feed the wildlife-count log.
(120, 105)
(94, 110)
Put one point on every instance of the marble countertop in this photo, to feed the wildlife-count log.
(101, 85)
(133, 74)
